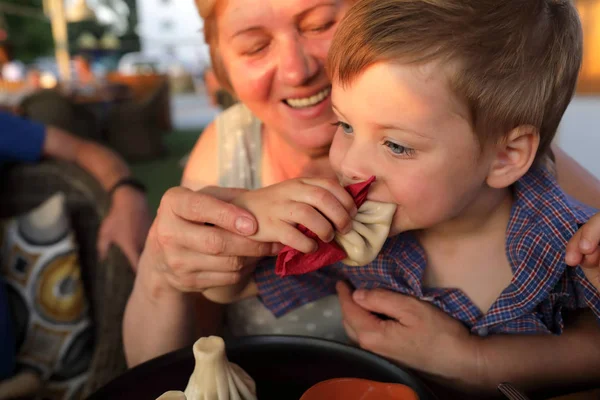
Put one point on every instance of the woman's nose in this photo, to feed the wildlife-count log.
(297, 66)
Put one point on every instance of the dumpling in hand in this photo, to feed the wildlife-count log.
(214, 377)
(370, 229)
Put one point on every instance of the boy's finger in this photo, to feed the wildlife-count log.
(590, 236)
(290, 236)
(593, 276)
(337, 190)
(300, 213)
(591, 261)
(573, 256)
(573, 259)
(327, 204)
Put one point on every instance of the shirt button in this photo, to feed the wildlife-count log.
(483, 331)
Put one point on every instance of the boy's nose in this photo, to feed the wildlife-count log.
(353, 171)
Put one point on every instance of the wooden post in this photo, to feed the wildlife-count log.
(58, 21)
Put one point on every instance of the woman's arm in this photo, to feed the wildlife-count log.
(195, 243)
(576, 180)
(202, 166)
(546, 364)
(157, 318)
(422, 337)
(184, 256)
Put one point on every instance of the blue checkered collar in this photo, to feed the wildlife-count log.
(542, 221)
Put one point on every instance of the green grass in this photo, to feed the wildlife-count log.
(163, 173)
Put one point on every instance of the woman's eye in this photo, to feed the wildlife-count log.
(317, 26)
(398, 149)
(322, 28)
(255, 49)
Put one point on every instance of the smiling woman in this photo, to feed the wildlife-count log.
(271, 54)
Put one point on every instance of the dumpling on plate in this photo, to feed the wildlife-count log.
(214, 377)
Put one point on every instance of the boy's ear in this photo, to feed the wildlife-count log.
(514, 155)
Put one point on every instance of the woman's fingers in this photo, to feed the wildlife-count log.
(210, 240)
(200, 207)
(183, 261)
(199, 281)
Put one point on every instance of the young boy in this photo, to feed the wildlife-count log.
(452, 106)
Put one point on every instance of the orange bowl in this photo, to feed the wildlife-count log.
(358, 389)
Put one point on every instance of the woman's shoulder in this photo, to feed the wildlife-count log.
(228, 147)
(200, 169)
(235, 118)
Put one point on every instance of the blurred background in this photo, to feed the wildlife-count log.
(578, 134)
(146, 57)
(145, 60)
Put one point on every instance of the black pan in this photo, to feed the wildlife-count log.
(284, 367)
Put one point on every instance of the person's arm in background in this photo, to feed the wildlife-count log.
(128, 221)
(576, 180)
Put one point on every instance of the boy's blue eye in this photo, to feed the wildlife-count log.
(345, 127)
(398, 149)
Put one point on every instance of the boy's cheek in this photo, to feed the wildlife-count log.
(336, 155)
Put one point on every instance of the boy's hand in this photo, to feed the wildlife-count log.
(583, 250)
(321, 205)
(417, 335)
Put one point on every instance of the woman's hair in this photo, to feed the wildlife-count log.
(514, 62)
(206, 8)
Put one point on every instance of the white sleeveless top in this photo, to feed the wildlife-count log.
(239, 145)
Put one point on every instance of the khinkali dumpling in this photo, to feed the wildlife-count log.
(370, 229)
(214, 377)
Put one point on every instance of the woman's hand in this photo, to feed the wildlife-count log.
(416, 335)
(321, 205)
(197, 240)
(583, 250)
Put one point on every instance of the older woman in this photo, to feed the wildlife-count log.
(271, 53)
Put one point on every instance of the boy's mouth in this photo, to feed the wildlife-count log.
(305, 102)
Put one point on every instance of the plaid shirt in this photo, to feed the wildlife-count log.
(542, 220)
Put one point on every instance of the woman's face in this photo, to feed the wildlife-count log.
(274, 52)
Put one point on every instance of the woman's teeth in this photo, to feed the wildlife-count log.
(308, 101)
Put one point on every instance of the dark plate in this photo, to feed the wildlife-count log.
(284, 367)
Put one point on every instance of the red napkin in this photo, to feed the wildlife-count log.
(292, 262)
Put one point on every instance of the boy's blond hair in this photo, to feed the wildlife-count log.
(514, 62)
